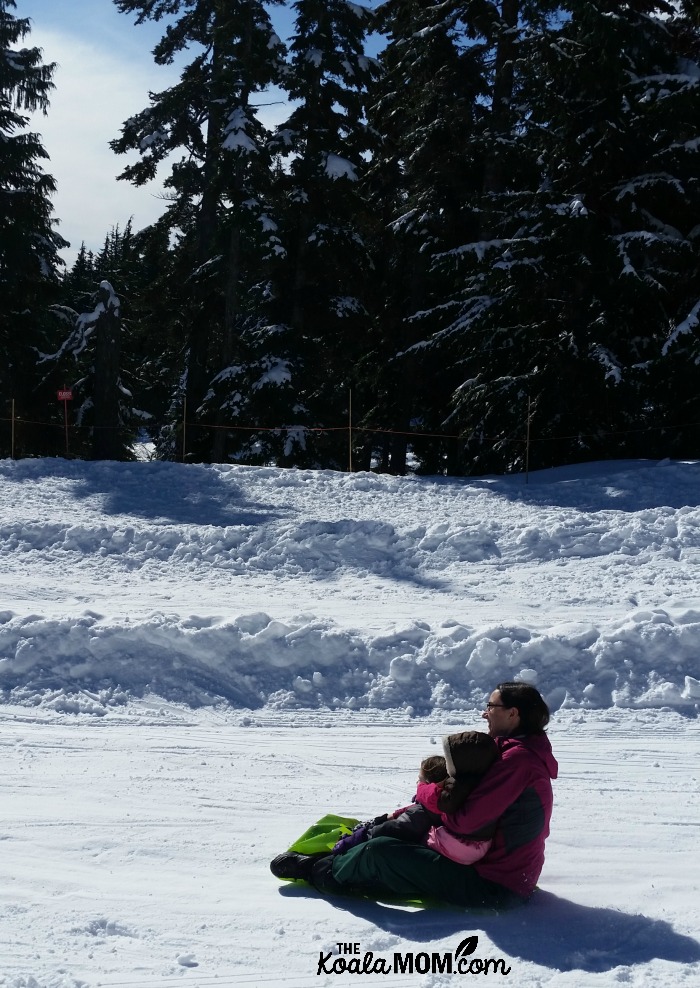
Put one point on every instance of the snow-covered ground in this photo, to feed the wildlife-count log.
(196, 662)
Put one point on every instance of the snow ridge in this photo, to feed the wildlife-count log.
(265, 588)
(89, 664)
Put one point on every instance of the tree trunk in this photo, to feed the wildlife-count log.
(218, 449)
(233, 267)
(199, 342)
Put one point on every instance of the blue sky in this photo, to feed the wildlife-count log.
(103, 76)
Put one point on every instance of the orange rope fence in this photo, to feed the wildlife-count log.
(18, 420)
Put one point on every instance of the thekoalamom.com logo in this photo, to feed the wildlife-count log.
(350, 959)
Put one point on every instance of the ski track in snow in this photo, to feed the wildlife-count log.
(196, 662)
(136, 850)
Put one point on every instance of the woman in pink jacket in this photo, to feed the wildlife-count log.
(515, 797)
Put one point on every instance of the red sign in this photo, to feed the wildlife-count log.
(65, 396)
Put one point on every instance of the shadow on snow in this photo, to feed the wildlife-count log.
(550, 931)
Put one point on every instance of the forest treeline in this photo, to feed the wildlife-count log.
(487, 233)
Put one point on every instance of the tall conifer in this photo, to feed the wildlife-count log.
(586, 255)
(426, 110)
(29, 242)
(322, 287)
(210, 119)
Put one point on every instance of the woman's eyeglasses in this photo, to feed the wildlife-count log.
(492, 706)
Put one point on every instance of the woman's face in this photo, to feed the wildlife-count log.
(502, 720)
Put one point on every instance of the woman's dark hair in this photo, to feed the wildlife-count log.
(533, 711)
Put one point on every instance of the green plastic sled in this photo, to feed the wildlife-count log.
(324, 834)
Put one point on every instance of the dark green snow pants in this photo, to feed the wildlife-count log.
(387, 866)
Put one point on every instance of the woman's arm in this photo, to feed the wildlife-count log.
(501, 786)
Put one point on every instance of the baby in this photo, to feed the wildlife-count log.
(444, 782)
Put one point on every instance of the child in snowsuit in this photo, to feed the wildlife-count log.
(449, 780)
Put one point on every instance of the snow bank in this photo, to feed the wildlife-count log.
(89, 664)
(259, 587)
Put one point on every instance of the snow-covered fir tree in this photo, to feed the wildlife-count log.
(588, 255)
(218, 185)
(96, 357)
(426, 108)
(317, 295)
(674, 397)
(29, 241)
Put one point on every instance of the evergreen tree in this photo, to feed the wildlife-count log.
(620, 189)
(78, 282)
(29, 242)
(158, 302)
(305, 320)
(96, 357)
(211, 117)
(674, 400)
(426, 110)
(319, 290)
(587, 253)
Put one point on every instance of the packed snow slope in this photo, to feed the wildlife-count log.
(287, 589)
